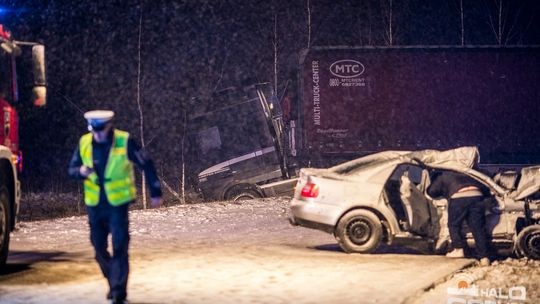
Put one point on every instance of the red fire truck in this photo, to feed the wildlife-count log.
(10, 155)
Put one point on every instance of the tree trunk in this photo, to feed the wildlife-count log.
(462, 23)
(308, 24)
(500, 22)
(139, 105)
(389, 35)
(391, 38)
(275, 44)
(183, 181)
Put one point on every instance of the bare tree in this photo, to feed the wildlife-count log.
(139, 103)
(213, 60)
(273, 36)
(387, 11)
(462, 22)
(502, 22)
(512, 32)
(498, 27)
(370, 24)
(529, 23)
(308, 11)
(366, 17)
(183, 180)
(461, 11)
(275, 45)
(181, 197)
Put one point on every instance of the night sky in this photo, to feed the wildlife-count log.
(193, 48)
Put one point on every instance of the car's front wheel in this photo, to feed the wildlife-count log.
(528, 242)
(359, 231)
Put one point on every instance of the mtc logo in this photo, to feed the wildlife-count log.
(347, 68)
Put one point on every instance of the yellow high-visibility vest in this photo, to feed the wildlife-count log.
(119, 177)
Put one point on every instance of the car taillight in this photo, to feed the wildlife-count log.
(310, 190)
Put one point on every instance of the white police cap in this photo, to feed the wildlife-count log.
(97, 119)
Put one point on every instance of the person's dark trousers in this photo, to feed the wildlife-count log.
(471, 209)
(105, 219)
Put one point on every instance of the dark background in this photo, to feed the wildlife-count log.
(193, 48)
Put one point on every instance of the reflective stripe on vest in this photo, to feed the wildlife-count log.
(119, 177)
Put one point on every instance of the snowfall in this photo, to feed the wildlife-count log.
(246, 252)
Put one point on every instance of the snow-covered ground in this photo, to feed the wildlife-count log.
(215, 253)
(506, 281)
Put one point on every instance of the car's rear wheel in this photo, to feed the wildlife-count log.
(359, 231)
(528, 242)
(4, 224)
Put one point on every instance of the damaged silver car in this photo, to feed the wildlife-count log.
(382, 198)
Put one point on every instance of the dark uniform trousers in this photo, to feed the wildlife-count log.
(105, 219)
(472, 210)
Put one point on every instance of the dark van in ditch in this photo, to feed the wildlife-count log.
(236, 145)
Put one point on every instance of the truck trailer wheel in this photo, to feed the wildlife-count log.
(359, 231)
(5, 214)
(528, 242)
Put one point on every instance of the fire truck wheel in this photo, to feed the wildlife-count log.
(4, 224)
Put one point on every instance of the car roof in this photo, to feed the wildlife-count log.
(463, 157)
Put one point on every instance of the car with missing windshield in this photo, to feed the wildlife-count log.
(383, 197)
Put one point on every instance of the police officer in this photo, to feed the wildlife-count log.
(104, 161)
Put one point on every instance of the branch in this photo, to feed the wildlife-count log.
(170, 189)
(390, 23)
(491, 24)
(511, 32)
(387, 18)
(141, 127)
(275, 45)
(527, 27)
(141, 118)
(462, 22)
(370, 21)
(150, 141)
(500, 7)
(69, 100)
(221, 73)
(309, 23)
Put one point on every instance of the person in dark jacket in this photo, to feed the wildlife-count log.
(103, 160)
(465, 202)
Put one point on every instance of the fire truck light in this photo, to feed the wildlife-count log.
(14, 159)
(17, 160)
(4, 33)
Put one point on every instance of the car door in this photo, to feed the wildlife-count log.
(418, 208)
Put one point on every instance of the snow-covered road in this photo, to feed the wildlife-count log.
(213, 253)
